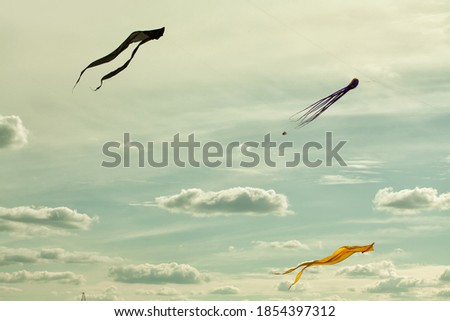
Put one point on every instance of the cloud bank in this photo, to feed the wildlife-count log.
(396, 284)
(237, 200)
(382, 269)
(23, 276)
(42, 221)
(12, 132)
(9, 256)
(411, 201)
(156, 274)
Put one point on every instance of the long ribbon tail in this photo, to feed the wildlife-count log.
(121, 68)
(293, 269)
(299, 275)
(142, 36)
(124, 45)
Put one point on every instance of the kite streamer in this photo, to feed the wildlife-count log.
(313, 111)
(136, 36)
(340, 255)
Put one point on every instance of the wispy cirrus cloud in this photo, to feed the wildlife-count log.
(411, 201)
(9, 256)
(364, 164)
(157, 273)
(345, 180)
(42, 221)
(24, 276)
(237, 200)
(12, 132)
(164, 291)
(291, 244)
(9, 289)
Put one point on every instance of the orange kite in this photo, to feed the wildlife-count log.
(340, 255)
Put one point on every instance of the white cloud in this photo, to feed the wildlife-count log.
(164, 291)
(445, 276)
(9, 289)
(364, 164)
(396, 284)
(159, 273)
(226, 290)
(41, 276)
(283, 286)
(42, 221)
(237, 200)
(444, 293)
(344, 180)
(109, 294)
(12, 132)
(383, 269)
(56, 255)
(292, 244)
(410, 201)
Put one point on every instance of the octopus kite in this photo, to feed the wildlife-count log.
(340, 255)
(307, 115)
(136, 36)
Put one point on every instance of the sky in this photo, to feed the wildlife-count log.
(224, 72)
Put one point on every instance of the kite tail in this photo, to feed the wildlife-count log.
(299, 275)
(121, 68)
(124, 45)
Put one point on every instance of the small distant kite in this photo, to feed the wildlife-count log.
(136, 36)
(313, 111)
(340, 255)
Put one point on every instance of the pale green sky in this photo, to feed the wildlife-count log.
(225, 71)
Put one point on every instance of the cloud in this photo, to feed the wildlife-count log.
(225, 290)
(237, 200)
(396, 284)
(42, 221)
(445, 276)
(444, 293)
(383, 269)
(283, 286)
(41, 276)
(12, 132)
(410, 201)
(159, 273)
(109, 294)
(9, 289)
(344, 180)
(165, 291)
(10, 256)
(364, 164)
(292, 244)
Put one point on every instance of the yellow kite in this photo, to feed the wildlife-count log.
(340, 255)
